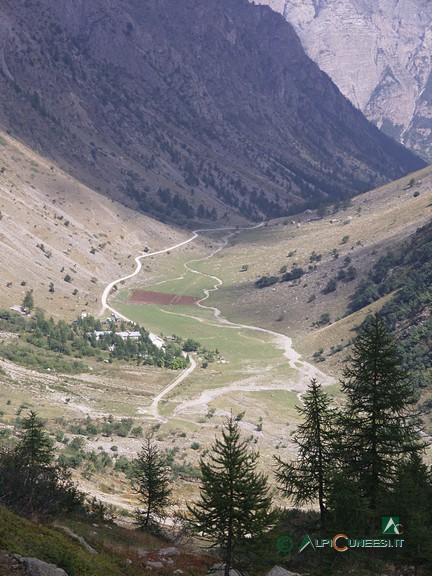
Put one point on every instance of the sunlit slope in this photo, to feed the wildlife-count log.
(355, 236)
(61, 239)
(340, 246)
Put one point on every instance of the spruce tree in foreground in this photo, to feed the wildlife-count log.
(151, 481)
(379, 427)
(308, 478)
(235, 506)
(31, 481)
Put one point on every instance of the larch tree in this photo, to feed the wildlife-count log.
(28, 300)
(31, 481)
(308, 478)
(35, 447)
(380, 428)
(235, 506)
(151, 481)
(411, 500)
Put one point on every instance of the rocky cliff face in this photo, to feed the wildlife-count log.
(190, 110)
(379, 53)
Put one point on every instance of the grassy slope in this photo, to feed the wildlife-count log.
(376, 222)
(118, 549)
(41, 205)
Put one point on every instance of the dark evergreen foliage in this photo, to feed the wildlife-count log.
(266, 281)
(308, 478)
(412, 502)
(409, 273)
(295, 274)
(79, 340)
(235, 506)
(28, 300)
(31, 482)
(379, 426)
(151, 481)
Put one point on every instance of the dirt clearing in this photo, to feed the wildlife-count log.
(160, 298)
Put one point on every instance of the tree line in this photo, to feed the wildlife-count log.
(79, 340)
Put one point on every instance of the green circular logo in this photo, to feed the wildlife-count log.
(285, 544)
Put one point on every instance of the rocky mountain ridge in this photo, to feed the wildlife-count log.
(379, 54)
(188, 111)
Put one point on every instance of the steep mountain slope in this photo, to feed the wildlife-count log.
(333, 256)
(378, 52)
(190, 110)
(61, 239)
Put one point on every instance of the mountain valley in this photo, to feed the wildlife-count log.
(253, 371)
(194, 224)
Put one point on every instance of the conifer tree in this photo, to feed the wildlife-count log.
(235, 506)
(411, 501)
(379, 427)
(31, 481)
(151, 481)
(35, 447)
(28, 300)
(308, 478)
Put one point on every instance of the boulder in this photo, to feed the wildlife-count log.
(141, 552)
(279, 571)
(169, 551)
(35, 567)
(154, 564)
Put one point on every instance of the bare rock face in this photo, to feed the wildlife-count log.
(379, 53)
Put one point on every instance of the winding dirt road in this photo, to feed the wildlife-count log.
(153, 409)
(283, 342)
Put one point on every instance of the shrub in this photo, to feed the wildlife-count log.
(191, 345)
(331, 286)
(295, 274)
(314, 257)
(266, 281)
(324, 319)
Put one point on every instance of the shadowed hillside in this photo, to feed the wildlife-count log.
(187, 110)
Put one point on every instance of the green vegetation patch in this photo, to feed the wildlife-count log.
(84, 337)
(408, 275)
(30, 356)
(20, 536)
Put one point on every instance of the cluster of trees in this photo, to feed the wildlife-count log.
(295, 274)
(365, 461)
(407, 273)
(78, 340)
(345, 274)
(32, 483)
(357, 464)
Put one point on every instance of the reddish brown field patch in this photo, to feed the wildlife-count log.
(147, 297)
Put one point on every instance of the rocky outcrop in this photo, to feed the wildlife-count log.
(379, 53)
(35, 567)
(78, 538)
